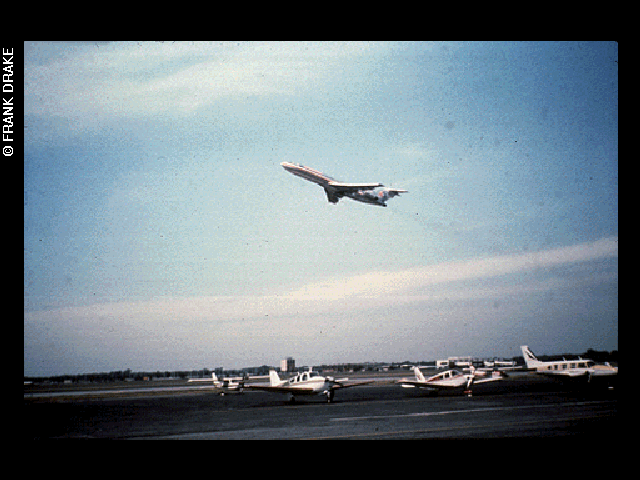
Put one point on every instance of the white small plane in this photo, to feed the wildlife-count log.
(305, 383)
(224, 385)
(567, 369)
(451, 380)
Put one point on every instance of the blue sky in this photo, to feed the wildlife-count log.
(161, 232)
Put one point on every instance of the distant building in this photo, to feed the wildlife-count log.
(287, 365)
(465, 362)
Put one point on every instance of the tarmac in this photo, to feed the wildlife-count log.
(525, 407)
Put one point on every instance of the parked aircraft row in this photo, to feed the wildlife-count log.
(312, 383)
(305, 383)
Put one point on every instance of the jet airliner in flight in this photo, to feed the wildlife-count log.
(371, 193)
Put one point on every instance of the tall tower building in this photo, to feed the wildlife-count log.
(287, 365)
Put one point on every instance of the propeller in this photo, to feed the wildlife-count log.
(470, 379)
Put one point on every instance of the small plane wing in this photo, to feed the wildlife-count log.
(568, 373)
(340, 383)
(412, 383)
(287, 389)
(437, 386)
(487, 379)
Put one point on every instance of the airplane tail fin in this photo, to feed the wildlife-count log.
(392, 192)
(419, 374)
(529, 358)
(386, 193)
(214, 377)
(274, 379)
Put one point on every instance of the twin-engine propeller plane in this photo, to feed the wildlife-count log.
(305, 383)
(371, 193)
(451, 380)
(581, 368)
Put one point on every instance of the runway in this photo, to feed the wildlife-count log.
(516, 409)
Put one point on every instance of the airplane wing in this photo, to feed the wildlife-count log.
(568, 373)
(446, 386)
(302, 390)
(437, 386)
(342, 384)
(487, 379)
(488, 376)
(413, 383)
(353, 187)
(603, 373)
(269, 388)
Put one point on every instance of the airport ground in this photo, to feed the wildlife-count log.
(523, 406)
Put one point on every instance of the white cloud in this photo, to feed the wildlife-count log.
(120, 80)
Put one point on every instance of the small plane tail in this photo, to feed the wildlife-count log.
(274, 379)
(214, 377)
(529, 358)
(419, 374)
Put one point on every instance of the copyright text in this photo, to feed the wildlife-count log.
(7, 101)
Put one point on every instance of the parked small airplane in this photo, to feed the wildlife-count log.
(568, 369)
(305, 383)
(370, 193)
(451, 380)
(224, 385)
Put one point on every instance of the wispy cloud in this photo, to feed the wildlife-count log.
(130, 79)
(389, 283)
(378, 288)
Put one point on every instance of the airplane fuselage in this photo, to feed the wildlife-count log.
(448, 379)
(307, 173)
(310, 381)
